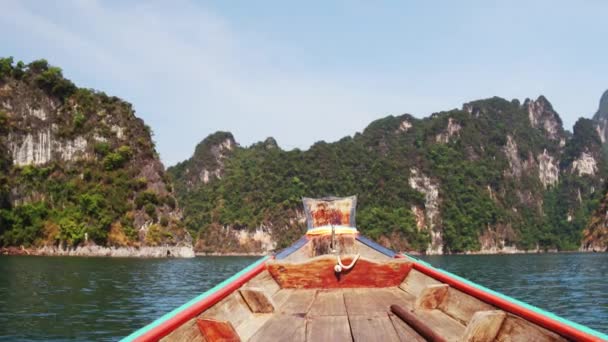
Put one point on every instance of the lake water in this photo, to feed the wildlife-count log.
(59, 299)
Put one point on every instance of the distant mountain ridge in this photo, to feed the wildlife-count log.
(78, 167)
(496, 176)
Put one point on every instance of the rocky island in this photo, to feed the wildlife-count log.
(79, 175)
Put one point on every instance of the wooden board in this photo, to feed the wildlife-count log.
(416, 282)
(188, 331)
(444, 325)
(264, 281)
(328, 303)
(431, 296)
(291, 328)
(404, 331)
(484, 326)
(319, 273)
(257, 300)
(461, 306)
(515, 329)
(249, 327)
(375, 301)
(298, 302)
(217, 331)
(374, 328)
(328, 328)
(232, 308)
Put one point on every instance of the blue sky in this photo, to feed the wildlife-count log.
(314, 70)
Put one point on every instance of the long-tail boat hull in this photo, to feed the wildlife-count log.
(297, 295)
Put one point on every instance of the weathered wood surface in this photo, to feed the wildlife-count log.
(484, 326)
(264, 281)
(249, 327)
(188, 331)
(281, 327)
(372, 302)
(461, 306)
(373, 328)
(415, 323)
(328, 328)
(345, 244)
(431, 296)
(404, 331)
(298, 302)
(445, 326)
(232, 308)
(516, 329)
(257, 300)
(416, 281)
(319, 273)
(217, 331)
(328, 303)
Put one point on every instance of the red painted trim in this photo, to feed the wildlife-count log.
(176, 321)
(535, 317)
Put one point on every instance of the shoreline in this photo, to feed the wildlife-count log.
(158, 252)
(101, 251)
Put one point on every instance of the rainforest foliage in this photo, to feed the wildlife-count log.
(101, 196)
(479, 188)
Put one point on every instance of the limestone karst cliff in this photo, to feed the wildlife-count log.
(496, 176)
(78, 167)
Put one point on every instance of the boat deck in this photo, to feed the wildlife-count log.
(346, 315)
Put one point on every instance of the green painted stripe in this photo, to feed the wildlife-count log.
(517, 302)
(193, 301)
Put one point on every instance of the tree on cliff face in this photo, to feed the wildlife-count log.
(493, 175)
(78, 163)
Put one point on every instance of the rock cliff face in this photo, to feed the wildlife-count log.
(495, 177)
(80, 166)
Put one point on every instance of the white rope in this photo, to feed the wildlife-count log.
(340, 266)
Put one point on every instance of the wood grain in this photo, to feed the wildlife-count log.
(217, 331)
(328, 328)
(462, 306)
(280, 327)
(328, 303)
(257, 300)
(319, 273)
(516, 329)
(188, 331)
(416, 281)
(484, 326)
(375, 328)
(431, 296)
(404, 331)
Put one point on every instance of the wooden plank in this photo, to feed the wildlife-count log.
(281, 297)
(257, 300)
(281, 327)
(375, 301)
(298, 302)
(302, 254)
(431, 296)
(404, 331)
(328, 328)
(373, 328)
(186, 332)
(264, 281)
(444, 325)
(484, 326)
(516, 329)
(462, 306)
(249, 327)
(416, 281)
(328, 303)
(232, 308)
(217, 331)
(319, 273)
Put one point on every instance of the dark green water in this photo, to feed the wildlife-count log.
(85, 299)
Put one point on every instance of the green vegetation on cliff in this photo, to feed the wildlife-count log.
(494, 165)
(76, 164)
